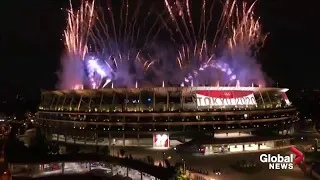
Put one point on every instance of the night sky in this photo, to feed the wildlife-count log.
(31, 47)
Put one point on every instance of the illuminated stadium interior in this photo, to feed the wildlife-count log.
(149, 116)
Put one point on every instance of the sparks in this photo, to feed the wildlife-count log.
(123, 49)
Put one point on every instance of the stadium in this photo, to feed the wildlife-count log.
(203, 119)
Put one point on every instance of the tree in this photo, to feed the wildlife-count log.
(167, 163)
(105, 151)
(180, 175)
(13, 148)
(54, 148)
(150, 160)
(72, 149)
(122, 152)
(38, 145)
(97, 149)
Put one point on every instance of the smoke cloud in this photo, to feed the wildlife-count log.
(72, 72)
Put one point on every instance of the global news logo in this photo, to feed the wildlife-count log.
(278, 161)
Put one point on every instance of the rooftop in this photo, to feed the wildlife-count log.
(163, 90)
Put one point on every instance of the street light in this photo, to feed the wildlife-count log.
(184, 166)
(163, 158)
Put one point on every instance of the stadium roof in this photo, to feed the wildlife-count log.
(162, 90)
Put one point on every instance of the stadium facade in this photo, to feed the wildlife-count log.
(234, 118)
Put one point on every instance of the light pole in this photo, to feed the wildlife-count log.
(163, 158)
(184, 166)
(113, 149)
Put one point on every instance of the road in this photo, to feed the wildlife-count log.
(83, 168)
(222, 162)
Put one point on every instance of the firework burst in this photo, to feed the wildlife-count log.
(231, 38)
(79, 23)
(105, 48)
(112, 43)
